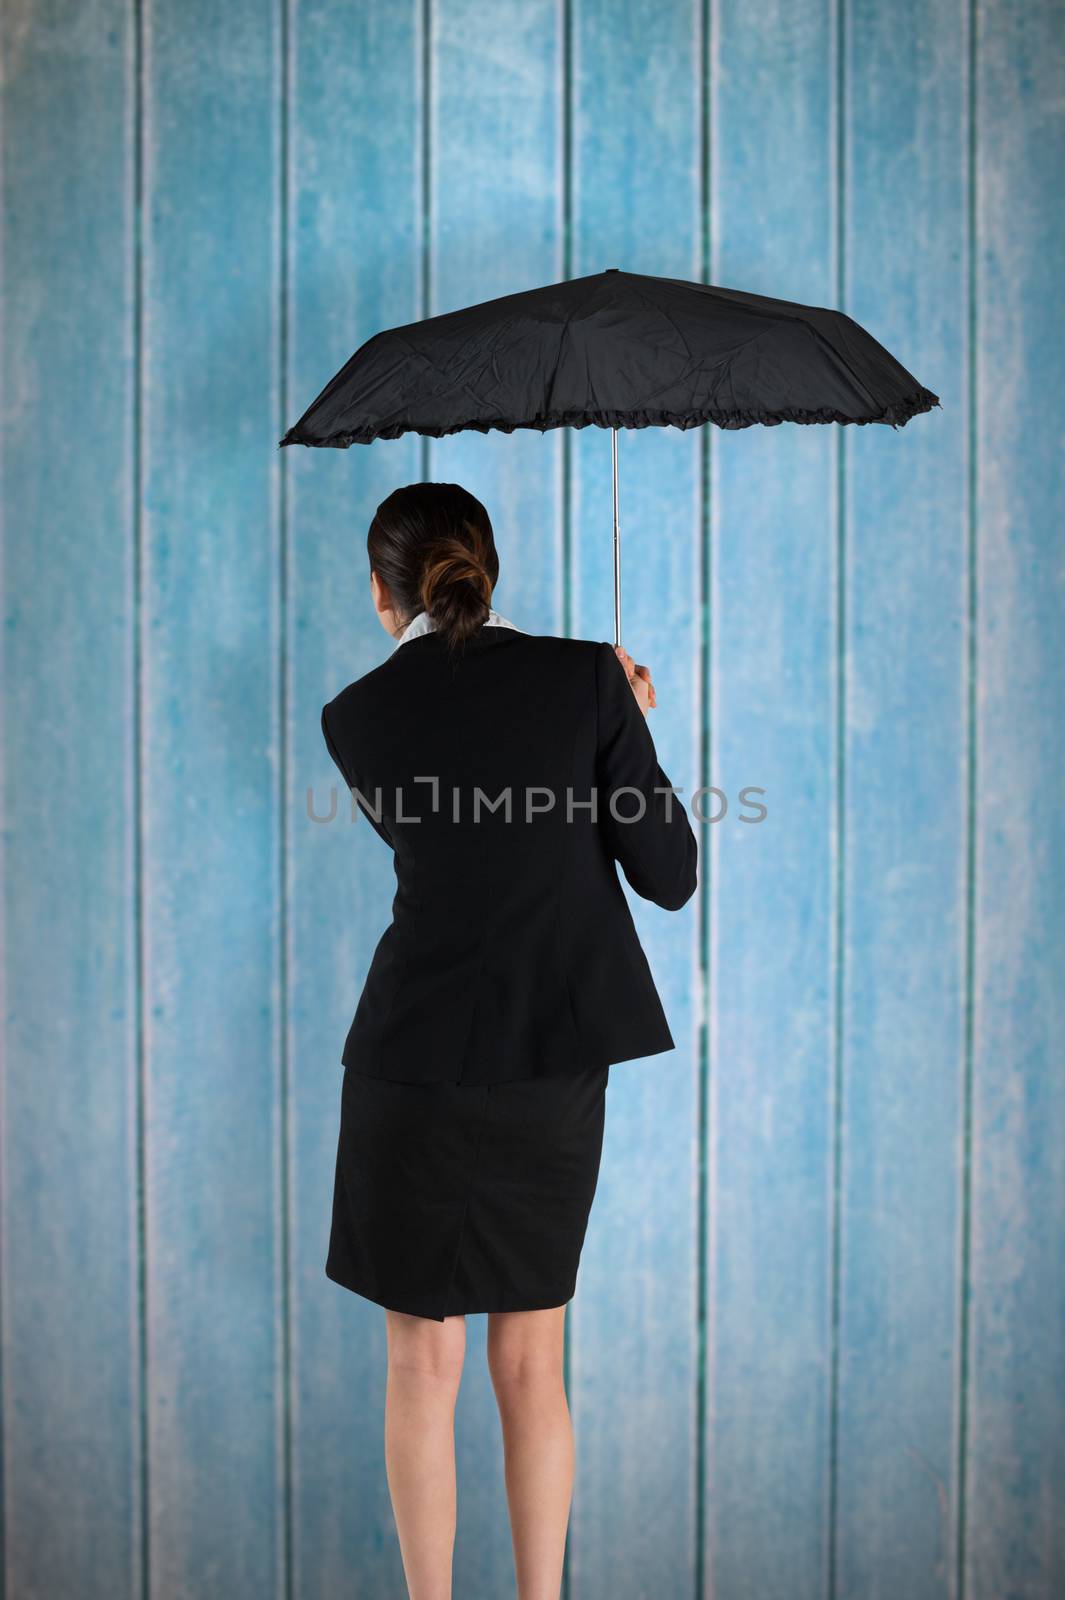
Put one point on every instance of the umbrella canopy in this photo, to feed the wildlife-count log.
(617, 349)
(620, 350)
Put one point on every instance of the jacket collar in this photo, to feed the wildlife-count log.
(423, 623)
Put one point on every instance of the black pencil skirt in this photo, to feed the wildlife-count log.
(452, 1197)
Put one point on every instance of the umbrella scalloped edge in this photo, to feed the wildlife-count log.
(895, 415)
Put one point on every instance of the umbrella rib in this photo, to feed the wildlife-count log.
(549, 398)
(449, 381)
(664, 313)
(779, 319)
(776, 323)
(858, 384)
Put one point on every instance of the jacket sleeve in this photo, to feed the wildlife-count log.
(648, 832)
(377, 823)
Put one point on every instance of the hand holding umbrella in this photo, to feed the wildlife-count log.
(639, 680)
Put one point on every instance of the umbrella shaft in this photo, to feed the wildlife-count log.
(617, 541)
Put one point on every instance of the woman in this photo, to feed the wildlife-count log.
(509, 773)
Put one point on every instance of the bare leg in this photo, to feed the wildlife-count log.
(424, 1370)
(525, 1351)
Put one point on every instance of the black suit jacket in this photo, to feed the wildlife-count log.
(511, 952)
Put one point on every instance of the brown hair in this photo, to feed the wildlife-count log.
(432, 545)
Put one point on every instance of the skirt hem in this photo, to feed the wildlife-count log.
(503, 1302)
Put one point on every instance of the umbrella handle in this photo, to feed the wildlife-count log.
(617, 540)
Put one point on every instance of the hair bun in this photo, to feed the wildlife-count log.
(456, 588)
(449, 564)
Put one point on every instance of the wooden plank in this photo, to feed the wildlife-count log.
(211, 801)
(1014, 1530)
(71, 1398)
(904, 830)
(354, 251)
(636, 173)
(495, 214)
(772, 714)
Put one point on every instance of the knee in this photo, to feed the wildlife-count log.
(422, 1348)
(518, 1370)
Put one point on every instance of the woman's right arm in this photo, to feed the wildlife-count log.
(648, 830)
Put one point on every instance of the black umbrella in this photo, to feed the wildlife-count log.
(620, 350)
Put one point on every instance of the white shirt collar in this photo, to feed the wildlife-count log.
(423, 623)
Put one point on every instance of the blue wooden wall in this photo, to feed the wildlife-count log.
(818, 1346)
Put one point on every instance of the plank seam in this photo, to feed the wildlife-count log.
(426, 100)
(140, 961)
(286, 1553)
(835, 1225)
(703, 1057)
(963, 1291)
(565, 15)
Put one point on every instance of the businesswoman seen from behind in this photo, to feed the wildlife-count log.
(511, 774)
